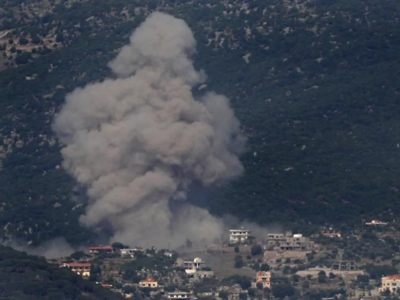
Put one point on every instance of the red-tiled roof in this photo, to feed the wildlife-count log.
(148, 280)
(101, 248)
(77, 264)
(262, 273)
(393, 277)
(106, 285)
(331, 234)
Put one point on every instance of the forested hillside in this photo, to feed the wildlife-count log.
(29, 277)
(314, 83)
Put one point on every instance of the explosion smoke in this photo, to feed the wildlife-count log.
(139, 141)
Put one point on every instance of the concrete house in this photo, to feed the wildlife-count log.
(78, 268)
(238, 235)
(391, 283)
(148, 283)
(289, 242)
(264, 278)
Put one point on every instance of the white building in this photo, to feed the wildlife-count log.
(128, 252)
(78, 268)
(192, 267)
(391, 283)
(148, 283)
(238, 235)
(169, 254)
(178, 295)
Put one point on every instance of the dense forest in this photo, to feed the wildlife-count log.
(314, 84)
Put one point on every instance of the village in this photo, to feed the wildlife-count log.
(324, 265)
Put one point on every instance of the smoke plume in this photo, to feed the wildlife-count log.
(55, 248)
(139, 141)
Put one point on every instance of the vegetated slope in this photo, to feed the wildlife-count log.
(321, 109)
(29, 277)
(314, 83)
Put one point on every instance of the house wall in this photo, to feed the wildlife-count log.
(390, 284)
(148, 284)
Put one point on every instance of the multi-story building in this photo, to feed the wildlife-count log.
(148, 283)
(192, 266)
(196, 269)
(264, 278)
(344, 265)
(391, 283)
(289, 242)
(78, 268)
(237, 236)
(130, 252)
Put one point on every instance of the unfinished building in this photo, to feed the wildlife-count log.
(289, 242)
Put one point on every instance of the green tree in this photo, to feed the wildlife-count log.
(239, 262)
(305, 285)
(60, 38)
(286, 270)
(321, 277)
(23, 58)
(169, 288)
(23, 41)
(281, 291)
(223, 295)
(117, 245)
(265, 267)
(36, 40)
(256, 250)
(245, 284)
(78, 255)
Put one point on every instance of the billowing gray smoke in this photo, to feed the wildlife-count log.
(139, 141)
